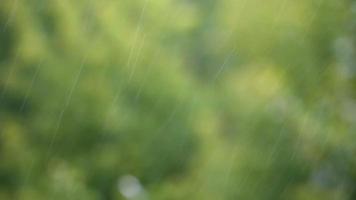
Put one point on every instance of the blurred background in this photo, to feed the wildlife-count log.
(177, 99)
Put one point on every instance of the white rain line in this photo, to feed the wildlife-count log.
(133, 68)
(223, 66)
(31, 86)
(70, 93)
(9, 74)
(11, 15)
(70, 97)
(138, 28)
(313, 16)
(146, 74)
(128, 64)
(68, 100)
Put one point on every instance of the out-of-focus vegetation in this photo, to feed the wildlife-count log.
(176, 99)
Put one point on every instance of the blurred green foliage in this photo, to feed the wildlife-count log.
(230, 99)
